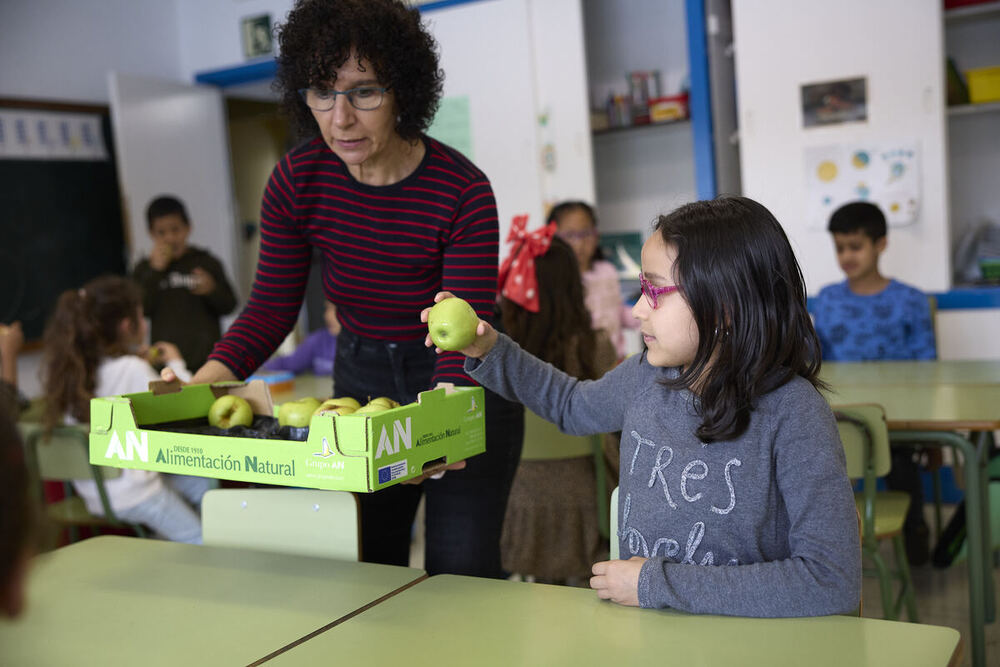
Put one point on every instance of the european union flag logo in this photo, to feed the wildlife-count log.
(384, 475)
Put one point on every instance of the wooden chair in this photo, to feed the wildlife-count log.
(64, 455)
(865, 436)
(308, 522)
(544, 441)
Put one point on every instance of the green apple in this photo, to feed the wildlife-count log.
(228, 411)
(297, 413)
(337, 406)
(452, 324)
(370, 409)
(345, 401)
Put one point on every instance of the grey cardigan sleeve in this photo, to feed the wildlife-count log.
(577, 407)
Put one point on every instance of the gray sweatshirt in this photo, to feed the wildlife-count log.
(769, 516)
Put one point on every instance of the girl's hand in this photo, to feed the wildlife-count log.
(165, 352)
(486, 335)
(618, 580)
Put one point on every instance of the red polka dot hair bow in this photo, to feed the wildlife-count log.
(517, 279)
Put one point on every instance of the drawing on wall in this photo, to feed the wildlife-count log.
(886, 174)
(452, 124)
(50, 135)
(833, 102)
(257, 39)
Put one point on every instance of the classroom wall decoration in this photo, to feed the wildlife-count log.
(452, 124)
(41, 135)
(886, 174)
(833, 102)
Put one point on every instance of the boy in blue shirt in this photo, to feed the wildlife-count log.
(869, 317)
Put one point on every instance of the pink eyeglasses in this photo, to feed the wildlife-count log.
(651, 292)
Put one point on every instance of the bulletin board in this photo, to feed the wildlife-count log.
(60, 214)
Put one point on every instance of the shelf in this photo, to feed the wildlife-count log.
(638, 128)
(981, 10)
(967, 109)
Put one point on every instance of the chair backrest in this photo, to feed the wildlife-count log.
(543, 440)
(862, 427)
(613, 518)
(308, 522)
(62, 455)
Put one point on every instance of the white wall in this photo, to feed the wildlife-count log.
(645, 171)
(897, 45)
(210, 31)
(62, 50)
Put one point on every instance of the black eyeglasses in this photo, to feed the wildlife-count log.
(362, 98)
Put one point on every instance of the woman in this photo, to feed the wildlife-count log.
(398, 217)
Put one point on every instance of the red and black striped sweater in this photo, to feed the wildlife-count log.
(386, 251)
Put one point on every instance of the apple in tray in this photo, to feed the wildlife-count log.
(297, 413)
(228, 411)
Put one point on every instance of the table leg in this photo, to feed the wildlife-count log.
(984, 445)
(975, 509)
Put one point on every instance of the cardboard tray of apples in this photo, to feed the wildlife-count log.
(362, 449)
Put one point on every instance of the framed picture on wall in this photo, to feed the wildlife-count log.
(833, 102)
(257, 39)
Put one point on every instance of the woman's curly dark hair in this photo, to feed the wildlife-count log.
(319, 36)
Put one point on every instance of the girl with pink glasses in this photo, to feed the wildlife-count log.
(733, 493)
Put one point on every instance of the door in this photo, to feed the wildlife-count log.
(171, 138)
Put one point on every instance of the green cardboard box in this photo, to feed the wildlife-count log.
(350, 453)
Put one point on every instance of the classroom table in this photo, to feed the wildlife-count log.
(306, 384)
(931, 413)
(883, 373)
(447, 620)
(130, 601)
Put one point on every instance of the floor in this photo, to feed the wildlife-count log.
(942, 595)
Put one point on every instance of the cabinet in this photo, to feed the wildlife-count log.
(971, 41)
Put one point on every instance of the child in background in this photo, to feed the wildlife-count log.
(870, 317)
(90, 346)
(733, 492)
(11, 340)
(316, 353)
(577, 226)
(17, 516)
(184, 288)
(550, 530)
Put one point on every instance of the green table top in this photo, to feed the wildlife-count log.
(928, 407)
(461, 620)
(128, 601)
(881, 373)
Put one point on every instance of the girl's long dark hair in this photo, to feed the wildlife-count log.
(745, 289)
(562, 325)
(84, 328)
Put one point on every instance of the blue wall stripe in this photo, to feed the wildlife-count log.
(700, 100)
(231, 76)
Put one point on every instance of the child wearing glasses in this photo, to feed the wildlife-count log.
(577, 225)
(733, 494)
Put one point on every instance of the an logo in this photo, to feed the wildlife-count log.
(133, 445)
(399, 434)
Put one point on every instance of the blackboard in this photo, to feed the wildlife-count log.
(60, 226)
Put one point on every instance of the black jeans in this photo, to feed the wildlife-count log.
(465, 508)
